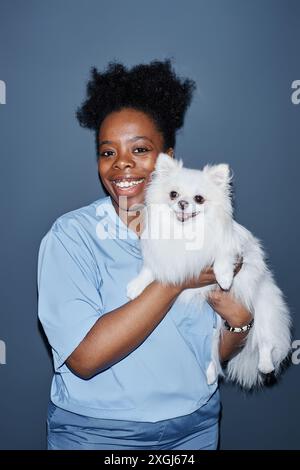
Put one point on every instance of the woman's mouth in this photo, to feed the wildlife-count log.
(128, 186)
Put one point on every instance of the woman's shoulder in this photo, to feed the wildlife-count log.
(70, 244)
(79, 220)
(76, 228)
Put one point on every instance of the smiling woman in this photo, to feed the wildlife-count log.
(135, 116)
(128, 374)
(129, 146)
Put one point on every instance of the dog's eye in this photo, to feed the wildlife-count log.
(173, 194)
(199, 199)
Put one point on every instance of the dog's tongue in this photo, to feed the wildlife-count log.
(184, 216)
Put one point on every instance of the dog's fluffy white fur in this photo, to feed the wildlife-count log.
(183, 234)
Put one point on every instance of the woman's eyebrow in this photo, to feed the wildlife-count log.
(105, 142)
(137, 137)
(133, 139)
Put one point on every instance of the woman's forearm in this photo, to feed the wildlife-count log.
(119, 332)
(230, 344)
(237, 315)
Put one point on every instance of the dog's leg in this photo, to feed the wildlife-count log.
(211, 373)
(214, 368)
(139, 283)
(265, 364)
(224, 270)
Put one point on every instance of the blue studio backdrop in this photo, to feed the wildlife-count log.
(244, 56)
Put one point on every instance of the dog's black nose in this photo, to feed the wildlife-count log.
(183, 204)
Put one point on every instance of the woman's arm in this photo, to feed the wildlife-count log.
(120, 331)
(229, 309)
(236, 315)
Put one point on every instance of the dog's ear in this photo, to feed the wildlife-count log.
(164, 164)
(220, 174)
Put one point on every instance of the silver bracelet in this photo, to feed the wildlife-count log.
(238, 329)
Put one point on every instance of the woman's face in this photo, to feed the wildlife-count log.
(129, 144)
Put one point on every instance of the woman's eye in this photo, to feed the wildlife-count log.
(107, 153)
(141, 150)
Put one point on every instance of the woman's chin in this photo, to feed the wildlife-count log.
(130, 204)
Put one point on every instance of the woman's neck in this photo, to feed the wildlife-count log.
(132, 218)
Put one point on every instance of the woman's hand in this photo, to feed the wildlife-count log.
(226, 305)
(207, 277)
(223, 302)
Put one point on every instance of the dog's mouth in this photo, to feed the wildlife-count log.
(184, 216)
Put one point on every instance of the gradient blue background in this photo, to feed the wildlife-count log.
(244, 55)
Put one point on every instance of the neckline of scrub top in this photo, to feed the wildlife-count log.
(123, 232)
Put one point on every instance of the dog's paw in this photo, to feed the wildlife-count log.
(134, 289)
(265, 368)
(211, 373)
(224, 279)
(265, 364)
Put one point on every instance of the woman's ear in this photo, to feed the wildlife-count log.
(170, 152)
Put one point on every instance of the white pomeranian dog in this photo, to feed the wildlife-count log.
(189, 226)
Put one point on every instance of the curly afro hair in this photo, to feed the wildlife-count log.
(152, 88)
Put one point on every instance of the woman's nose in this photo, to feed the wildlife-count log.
(124, 160)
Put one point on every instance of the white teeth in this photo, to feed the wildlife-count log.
(128, 184)
(182, 217)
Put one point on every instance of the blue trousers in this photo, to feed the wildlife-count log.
(196, 431)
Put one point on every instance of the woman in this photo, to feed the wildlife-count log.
(128, 374)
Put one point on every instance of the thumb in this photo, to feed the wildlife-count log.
(214, 294)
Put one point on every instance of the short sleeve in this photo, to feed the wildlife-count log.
(69, 299)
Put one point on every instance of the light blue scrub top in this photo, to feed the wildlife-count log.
(85, 262)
